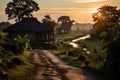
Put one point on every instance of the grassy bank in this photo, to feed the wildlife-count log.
(68, 36)
(13, 67)
(20, 70)
(78, 57)
(91, 44)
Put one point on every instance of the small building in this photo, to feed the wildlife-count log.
(36, 31)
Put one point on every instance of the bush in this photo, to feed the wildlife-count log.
(75, 52)
(16, 61)
(19, 44)
(87, 62)
(2, 39)
(22, 43)
(12, 47)
(81, 58)
(63, 53)
(3, 71)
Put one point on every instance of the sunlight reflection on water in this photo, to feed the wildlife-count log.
(81, 38)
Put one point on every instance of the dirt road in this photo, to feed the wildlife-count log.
(50, 67)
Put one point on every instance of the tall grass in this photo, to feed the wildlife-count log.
(19, 70)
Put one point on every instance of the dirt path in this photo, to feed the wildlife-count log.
(50, 67)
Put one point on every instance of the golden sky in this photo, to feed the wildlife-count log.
(79, 10)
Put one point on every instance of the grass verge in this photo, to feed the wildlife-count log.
(20, 70)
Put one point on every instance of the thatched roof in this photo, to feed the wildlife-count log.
(28, 24)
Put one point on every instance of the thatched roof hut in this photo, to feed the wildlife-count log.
(37, 31)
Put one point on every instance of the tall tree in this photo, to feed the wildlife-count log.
(107, 22)
(63, 19)
(66, 24)
(48, 20)
(106, 17)
(17, 9)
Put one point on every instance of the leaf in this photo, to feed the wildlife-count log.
(103, 34)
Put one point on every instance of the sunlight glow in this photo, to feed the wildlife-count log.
(93, 10)
(87, 1)
(99, 15)
(82, 38)
(80, 15)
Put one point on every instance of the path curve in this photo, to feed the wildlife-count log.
(63, 71)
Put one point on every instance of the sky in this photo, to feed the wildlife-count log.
(79, 10)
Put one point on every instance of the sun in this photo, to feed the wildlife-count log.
(99, 15)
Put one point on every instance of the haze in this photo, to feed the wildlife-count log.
(79, 10)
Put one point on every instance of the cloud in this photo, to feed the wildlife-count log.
(88, 1)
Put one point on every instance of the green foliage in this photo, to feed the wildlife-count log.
(17, 9)
(22, 43)
(106, 17)
(103, 34)
(14, 66)
(62, 45)
(48, 21)
(19, 44)
(8, 58)
(66, 24)
(16, 61)
(79, 58)
(2, 39)
(108, 25)
(93, 62)
(63, 19)
(75, 52)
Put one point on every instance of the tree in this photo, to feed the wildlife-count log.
(48, 20)
(106, 17)
(21, 8)
(64, 19)
(107, 22)
(66, 24)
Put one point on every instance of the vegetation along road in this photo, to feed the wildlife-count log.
(50, 67)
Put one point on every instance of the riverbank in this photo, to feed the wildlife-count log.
(81, 55)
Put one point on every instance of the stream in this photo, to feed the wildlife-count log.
(78, 39)
(75, 45)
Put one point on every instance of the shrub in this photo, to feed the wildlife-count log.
(22, 43)
(2, 39)
(75, 52)
(81, 57)
(3, 71)
(87, 62)
(18, 44)
(63, 53)
(16, 61)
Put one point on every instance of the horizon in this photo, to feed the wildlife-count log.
(79, 10)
